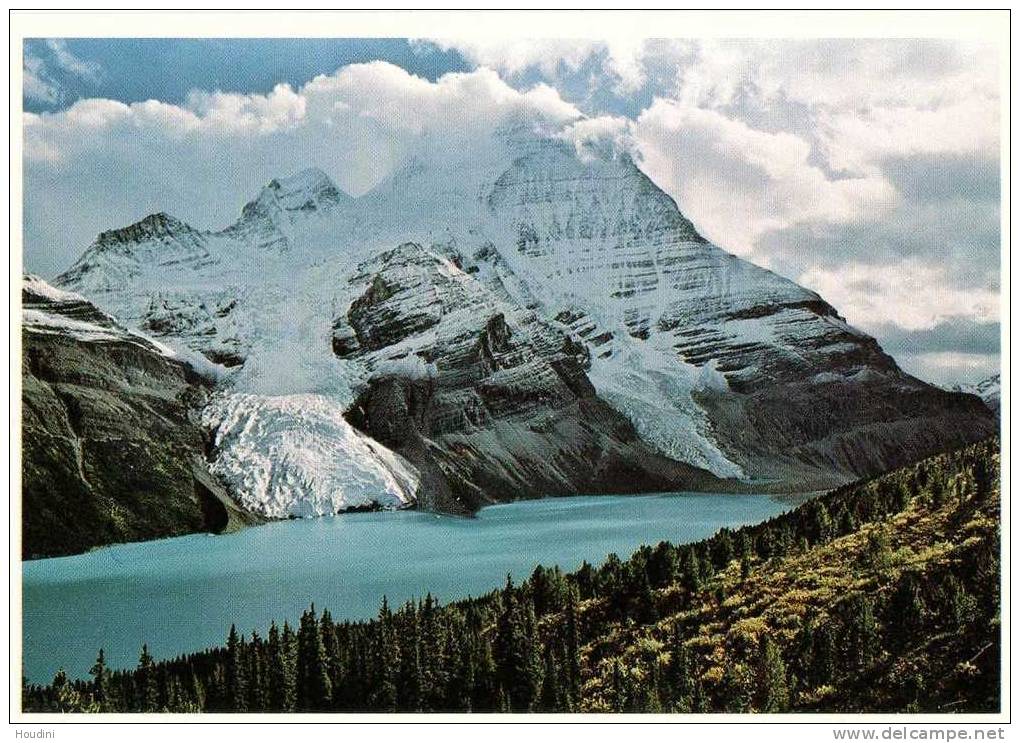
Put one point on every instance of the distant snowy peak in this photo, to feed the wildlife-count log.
(989, 390)
(159, 225)
(116, 257)
(268, 221)
(306, 191)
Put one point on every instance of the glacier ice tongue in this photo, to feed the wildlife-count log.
(295, 455)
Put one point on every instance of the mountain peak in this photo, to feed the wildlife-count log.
(307, 179)
(159, 224)
(305, 191)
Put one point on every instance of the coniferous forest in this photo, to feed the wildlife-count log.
(878, 596)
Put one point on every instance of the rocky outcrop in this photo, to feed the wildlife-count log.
(111, 449)
(487, 400)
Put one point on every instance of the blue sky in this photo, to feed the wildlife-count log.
(167, 69)
(866, 170)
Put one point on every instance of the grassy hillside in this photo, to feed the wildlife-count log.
(879, 596)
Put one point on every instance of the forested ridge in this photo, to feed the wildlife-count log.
(882, 595)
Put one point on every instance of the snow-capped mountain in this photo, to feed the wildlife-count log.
(989, 390)
(537, 319)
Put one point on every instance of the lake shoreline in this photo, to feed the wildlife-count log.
(179, 595)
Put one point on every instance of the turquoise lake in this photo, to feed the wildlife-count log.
(180, 595)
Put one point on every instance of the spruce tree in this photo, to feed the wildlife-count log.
(100, 682)
(550, 699)
(518, 667)
(385, 660)
(256, 675)
(410, 680)
(618, 697)
(314, 690)
(573, 649)
(680, 673)
(288, 651)
(237, 687)
(146, 683)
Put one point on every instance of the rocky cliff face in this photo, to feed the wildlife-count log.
(550, 323)
(111, 447)
(489, 401)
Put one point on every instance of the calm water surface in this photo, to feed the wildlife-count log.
(180, 595)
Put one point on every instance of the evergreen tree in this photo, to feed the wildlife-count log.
(288, 651)
(573, 650)
(825, 655)
(237, 687)
(314, 690)
(680, 674)
(737, 687)
(773, 685)
(619, 697)
(256, 675)
(518, 668)
(68, 698)
(145, 683)
(101, 682)
(691, 570)
(385, 662)
(276, 671)
(906, 611)
(331, 650)
(551, 697)
(410, 680)
(862, 632)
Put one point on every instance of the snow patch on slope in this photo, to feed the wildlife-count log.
(295, 455)
(48, 317)
(653, 389)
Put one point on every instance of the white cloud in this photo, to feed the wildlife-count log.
(42, 67)
(737, 183)
(71, 63)
(622, 57)
(910, 294)
(863, 99)
(35, 82)
(857, 139)
(600, 136)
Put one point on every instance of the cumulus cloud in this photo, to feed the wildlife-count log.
(622, 58)
(910, 294)
(101, 163)
(738, 183)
